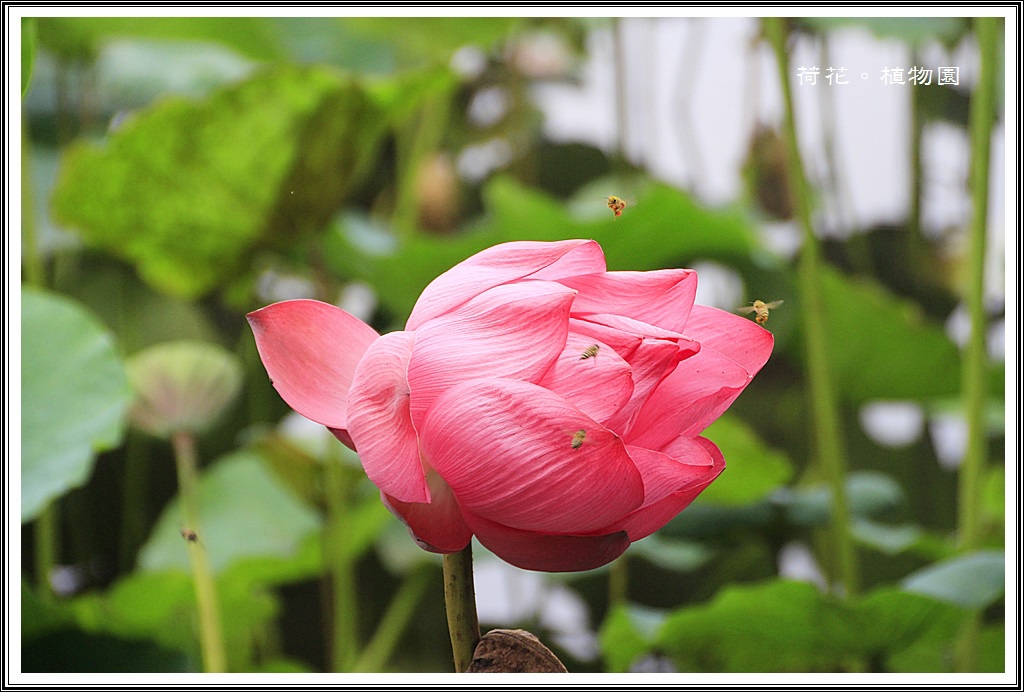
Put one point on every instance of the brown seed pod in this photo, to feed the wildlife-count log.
(513, 651)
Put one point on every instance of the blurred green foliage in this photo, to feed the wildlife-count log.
(326, 161)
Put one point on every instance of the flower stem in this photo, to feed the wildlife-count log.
(982, 114)
(210, 634)
(397, 616)
(981, 120)
(32, 261)
(618, 582)
(46, 546)
(824, 407)
(344, 603)
(460, 604)
(47, 523)
(133, 511)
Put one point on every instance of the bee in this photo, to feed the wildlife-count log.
(577, 439)
(189, 535)
(761, 308)
(590, 352)
(616, 204)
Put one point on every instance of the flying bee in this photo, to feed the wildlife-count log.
(577, 439)
(616, 204)
(189, 535)
(761, 309)
(590, 352)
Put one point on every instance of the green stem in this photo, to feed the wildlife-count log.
(982, 116)
(344, 600)
(32, 262)
(210, 634)
(618, 582)
(46, 546)
(621, 110)
(394, 622)
(48, 521)
(133, 507)
(460, 604)
(824, 406)
(981, 122)
(918, 243)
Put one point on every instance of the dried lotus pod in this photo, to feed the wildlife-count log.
(513, 651)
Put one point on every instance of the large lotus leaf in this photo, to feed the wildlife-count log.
(753, 469)
(976, 580)
(881, 347)
(245, 515)
(187, 190)
(432, 38)
(792, 627)
(79, 37)
(889, 620)
(74, 394)
(623, 636)
(138, 316)
(773, 627)
(161, 606)
(870, 494)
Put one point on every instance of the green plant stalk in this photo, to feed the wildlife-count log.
(824, 407)
(45, 528)
(460, 605)
(133, 508)
(31, 261)
(344, 602)
(917, 239)
(211, 636)
(46, 545)
(981, 123)
(982, 116)
(621, 107)
(618, 582)
(396, 618)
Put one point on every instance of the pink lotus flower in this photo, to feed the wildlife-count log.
(535, 400)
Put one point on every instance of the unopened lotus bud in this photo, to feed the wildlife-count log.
(181, 386)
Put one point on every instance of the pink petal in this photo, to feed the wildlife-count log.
(701, 388)
(634, 327)
(379, 421)
(739, 338)
(623, 343)
(511, 454)
(548, 552)
(515, 330)
(660, 298)
(502, 264)
(438, 526)
(310, 350)
(344, 437)
(654, 360)
(597, 385)
(671, 482)
(696, 393)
